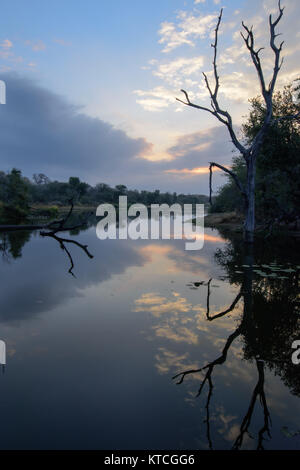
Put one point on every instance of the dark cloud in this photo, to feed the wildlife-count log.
(200, 148)
(41, 132)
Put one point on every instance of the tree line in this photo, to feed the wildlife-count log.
(18, 194)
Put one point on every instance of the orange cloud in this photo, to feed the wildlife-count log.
(212, 238)
(201, 170)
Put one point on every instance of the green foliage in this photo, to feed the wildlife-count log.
(14, 195)
(272, 328)
(229, 198)
(16, 192)
(11, 243)
(278, 165)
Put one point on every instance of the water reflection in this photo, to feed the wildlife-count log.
(39, 282)
(13, 237)
(12, 243)
(268, 326)
(137, 314)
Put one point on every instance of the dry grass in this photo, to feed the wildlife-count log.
(225, 218)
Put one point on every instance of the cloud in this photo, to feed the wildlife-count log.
(62, 42)
(5, 49)
(177, 74)
(36, 45)
(191, 155)
(175, 71)
(171, 37)
(188, 28)
(239, 86)
(156, 99)
(169, 360)
(6, 44)
(199, 148)
(186, 169)
(7, 54)
(238, 77)
(201, 170)
(39, 294)
(41, 131)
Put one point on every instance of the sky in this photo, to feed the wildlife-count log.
(91, 86)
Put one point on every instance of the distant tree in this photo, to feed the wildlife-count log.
(121, 189)
(77, 188)
(3, 186)
(44, 191)
(40, 178)
(16, 200)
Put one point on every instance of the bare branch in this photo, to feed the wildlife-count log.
(228, 310)
(266, 92)
(220, 360)
(229, 172)
(249, 41)
(215, 45)
(62, 243)
(277, 50)
(223, 116)
(251, 152)
(193, 105)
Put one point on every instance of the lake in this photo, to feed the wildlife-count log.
(90, 357)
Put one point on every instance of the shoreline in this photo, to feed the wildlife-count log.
(234, 223)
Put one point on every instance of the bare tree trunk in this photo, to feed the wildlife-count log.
(249, 226)
(250, 152)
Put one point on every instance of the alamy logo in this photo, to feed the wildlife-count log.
(296, 354)
(2, 353)
(296, 91)
(164, 222)
(2, 92)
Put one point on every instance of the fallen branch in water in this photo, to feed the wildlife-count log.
(54, 228)
(62, 241)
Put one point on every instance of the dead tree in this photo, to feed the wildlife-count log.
(251, 152)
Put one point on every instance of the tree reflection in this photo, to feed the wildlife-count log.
(61, 226)
(258, 392)
(268, 325)
(12, 243)
(13, 238)
(273, 301)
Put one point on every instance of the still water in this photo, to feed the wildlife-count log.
(90, 359)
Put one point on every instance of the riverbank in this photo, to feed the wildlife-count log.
(227, 220)
(44, 211)
(233, 222)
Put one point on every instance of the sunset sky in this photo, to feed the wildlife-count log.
(91, 86)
